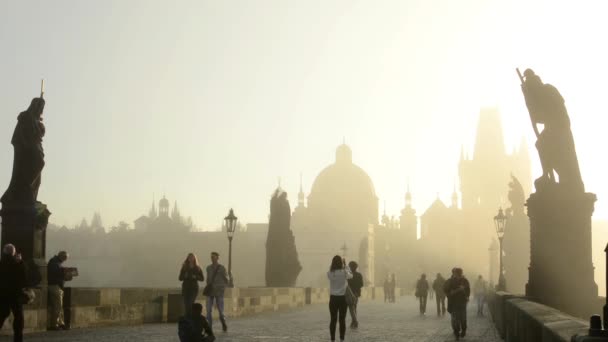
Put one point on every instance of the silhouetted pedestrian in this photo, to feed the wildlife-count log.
(57, 275)
(458, 290)
(190, 274)
(392, 285)
(439, 294)
(387, 289)
(479, 291)
(14, 280)
(194, 327)
(338, 276)
(355, 284)
(422, 291)
(217, 280)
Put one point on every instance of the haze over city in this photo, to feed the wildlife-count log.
(210, 102)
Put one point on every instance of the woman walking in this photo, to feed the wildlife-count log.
(190, 275)
(338, 276)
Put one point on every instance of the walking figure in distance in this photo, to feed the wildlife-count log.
(217, 280)
(355, 284)
(458, 290)
(190, 274)
(439, 294)
(422, 292)
(338, 276)
(479, 290)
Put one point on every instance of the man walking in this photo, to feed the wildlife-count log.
(14, 280)
(439, 294)
(217, 279)
(458, 290)
(422, 291)
(56, 280)
(355, 284)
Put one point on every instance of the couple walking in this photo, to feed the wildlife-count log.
(422, 292)
(217, 281)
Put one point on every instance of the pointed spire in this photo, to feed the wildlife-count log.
(455, 197)
(301, 196)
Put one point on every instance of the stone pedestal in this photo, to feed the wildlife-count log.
(561, 268)
(25, 227)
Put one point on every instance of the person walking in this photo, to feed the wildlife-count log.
(338, 276)
(355, 284)
(439, 294)
(479, 291)
(422, 291)
(392, 286)
(14, 280)
(387, 289)
(190, 274)
(458, 291)
(57, 275)
(217, 280)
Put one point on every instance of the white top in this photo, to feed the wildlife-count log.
(338, 281)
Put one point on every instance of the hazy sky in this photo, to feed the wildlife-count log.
(211, 101)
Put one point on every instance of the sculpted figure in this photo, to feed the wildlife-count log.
(28, 156)
(555, 144)
(516, 195)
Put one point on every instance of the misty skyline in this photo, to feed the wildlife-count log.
(210, 102)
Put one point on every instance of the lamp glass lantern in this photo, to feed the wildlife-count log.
(230, 221)
(500, 222)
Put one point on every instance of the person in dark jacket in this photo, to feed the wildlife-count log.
(422, 292)
(56, 280)
(190, 274)
(355, 284)
(194, 326)
(14, 280)
(458, 291)
(439, 294)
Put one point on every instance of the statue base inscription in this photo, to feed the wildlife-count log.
(561, 272)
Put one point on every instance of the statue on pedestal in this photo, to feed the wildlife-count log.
(29, 157)
(555, 144)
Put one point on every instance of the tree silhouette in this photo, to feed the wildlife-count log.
(282, 264)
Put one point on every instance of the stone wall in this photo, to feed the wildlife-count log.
(91, 307)
(522, 320)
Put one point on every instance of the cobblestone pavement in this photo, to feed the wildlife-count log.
(379, 322)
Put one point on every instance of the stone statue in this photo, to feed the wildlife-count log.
(555, 144)
(516, 195)
(282, 264)
(28, 157)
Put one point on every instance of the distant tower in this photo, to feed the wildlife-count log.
(301, 196)
(386, 221)
(163, 207)
(483, 176)
(152, 214)
(408, 220)
(455, 198)
(175, 215)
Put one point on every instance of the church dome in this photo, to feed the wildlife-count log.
(343, 195)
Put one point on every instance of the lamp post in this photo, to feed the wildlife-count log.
(500, 222)
(230, 221)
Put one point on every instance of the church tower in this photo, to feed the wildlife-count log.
(408, 219)
(163, 207)
(152, 214)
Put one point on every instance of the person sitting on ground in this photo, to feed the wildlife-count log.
(194, 327)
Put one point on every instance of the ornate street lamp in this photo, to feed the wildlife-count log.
(500, 222)
(230, 222)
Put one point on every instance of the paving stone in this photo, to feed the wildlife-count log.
(379, 322)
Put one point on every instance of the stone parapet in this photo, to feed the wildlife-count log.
(520, 319)
(92, 307)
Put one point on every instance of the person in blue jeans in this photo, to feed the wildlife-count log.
(217, 280)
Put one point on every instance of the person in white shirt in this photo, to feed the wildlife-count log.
(338, 275)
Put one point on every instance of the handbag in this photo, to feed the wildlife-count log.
(208, 290)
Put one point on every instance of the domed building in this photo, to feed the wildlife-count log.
(341, 213)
